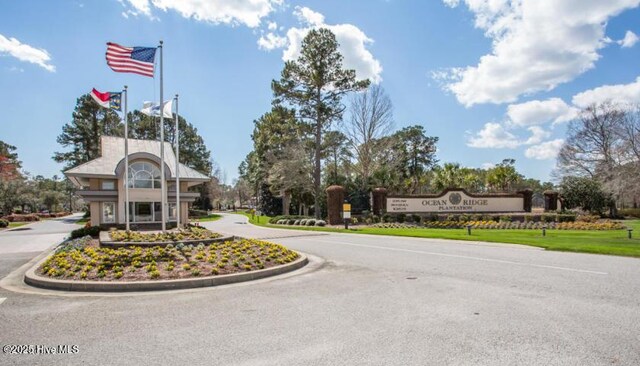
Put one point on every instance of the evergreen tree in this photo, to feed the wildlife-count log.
(193, 151)
(314, 84)
(89, 122)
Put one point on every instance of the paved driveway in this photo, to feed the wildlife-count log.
(38, 236)
(375, 301)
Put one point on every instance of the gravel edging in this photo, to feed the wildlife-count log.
(33, 279)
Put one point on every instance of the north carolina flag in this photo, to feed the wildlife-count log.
(111, 100)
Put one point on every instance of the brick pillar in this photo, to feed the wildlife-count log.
(379, 200)
(550, 201)
(335, 199)
(527, 194)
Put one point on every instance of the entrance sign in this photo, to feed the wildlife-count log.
(456, 201)
(346, 207)
(346, 215)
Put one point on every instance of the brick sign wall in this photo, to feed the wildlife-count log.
(456, 201)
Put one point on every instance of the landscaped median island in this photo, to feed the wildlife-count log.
(85, 261)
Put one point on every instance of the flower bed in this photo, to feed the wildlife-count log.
(490, 224)
(83, 259)
(189, 233)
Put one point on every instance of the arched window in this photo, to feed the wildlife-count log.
(144, 175)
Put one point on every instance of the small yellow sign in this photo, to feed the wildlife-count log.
(346, 207)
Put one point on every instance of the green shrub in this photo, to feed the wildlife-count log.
(567, 217)
(549, 218)
(375, 219)
(528, 218)
(387, 218)
(630, 212)
(453, 218)
(296, 222)
(4, 223)
(416, 218)
(505, 218)
(93, 231)
(310, 222)
(320, 223)
(275, 219)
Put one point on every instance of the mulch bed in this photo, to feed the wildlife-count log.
(84, 259)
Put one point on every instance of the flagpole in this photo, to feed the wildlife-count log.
(177, 134)
(126, 159)
(162, 180)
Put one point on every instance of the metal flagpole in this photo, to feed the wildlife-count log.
(126, 159)
(162, 179)
(177, 134)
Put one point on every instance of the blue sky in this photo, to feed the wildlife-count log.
(493, 79)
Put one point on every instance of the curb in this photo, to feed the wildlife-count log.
(31, 278)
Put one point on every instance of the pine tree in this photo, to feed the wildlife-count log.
(314, 85)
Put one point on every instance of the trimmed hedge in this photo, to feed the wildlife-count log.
(630, 212)
(22, 218)
(4, 223)
(275, 219)
(93, 231)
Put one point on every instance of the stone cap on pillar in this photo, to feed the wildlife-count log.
(335, 188)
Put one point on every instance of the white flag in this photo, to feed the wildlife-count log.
(153, 109)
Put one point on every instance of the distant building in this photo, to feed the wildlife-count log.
(100, 183)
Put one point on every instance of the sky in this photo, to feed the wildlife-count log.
(493, 79)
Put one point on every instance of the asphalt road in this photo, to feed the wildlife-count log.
(373, 301)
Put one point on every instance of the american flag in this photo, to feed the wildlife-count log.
(138, 60)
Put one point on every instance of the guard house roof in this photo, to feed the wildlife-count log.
(111, 161)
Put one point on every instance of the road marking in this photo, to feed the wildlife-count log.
(462, 257)
(2, 299)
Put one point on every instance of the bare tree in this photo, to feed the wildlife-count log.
(592, 145)
(371, 118)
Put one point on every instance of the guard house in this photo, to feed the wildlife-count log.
(100, 183)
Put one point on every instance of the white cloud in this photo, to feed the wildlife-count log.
(629, 40)
(537, 45)
(544, 151)
(272, 26)
(24, 52)
(495, 136)
(537, 135)
(271, 41)
(623, 94)
(234, 12)
(353, 44)
(538, 112)
(308, 16)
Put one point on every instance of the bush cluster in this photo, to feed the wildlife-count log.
(275, 219)
(630, 212)
(4, 223)
(88, 230)
(413, 218)
(188, 233)
(300, 222)
(22, 217)
(491, 224)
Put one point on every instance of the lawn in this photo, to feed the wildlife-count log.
(15, 225)
(83, 221)
(212, 217)
(614, 242)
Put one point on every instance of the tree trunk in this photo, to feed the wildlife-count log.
(286, 202)
(317, 171)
